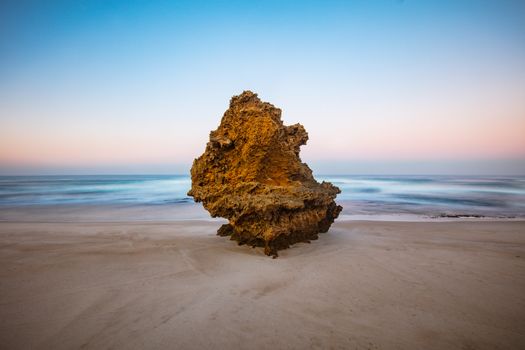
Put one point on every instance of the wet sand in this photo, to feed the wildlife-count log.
(176, 285)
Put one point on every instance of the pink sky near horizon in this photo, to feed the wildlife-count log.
(370, 140)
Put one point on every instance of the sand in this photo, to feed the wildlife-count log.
(176, 285)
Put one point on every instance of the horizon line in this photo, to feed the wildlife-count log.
(340, 174)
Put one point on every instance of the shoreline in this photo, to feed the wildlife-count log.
(219, 222)
(84, 213)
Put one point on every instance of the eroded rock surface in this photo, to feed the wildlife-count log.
(251, 174)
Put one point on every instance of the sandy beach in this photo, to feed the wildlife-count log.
(363, 285)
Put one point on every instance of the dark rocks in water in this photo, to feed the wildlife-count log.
(251, 174)
(458, 216)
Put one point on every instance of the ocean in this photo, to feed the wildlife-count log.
(434, 196)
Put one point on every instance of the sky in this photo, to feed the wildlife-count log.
(382, 87)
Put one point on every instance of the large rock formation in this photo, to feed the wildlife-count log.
(252, 175)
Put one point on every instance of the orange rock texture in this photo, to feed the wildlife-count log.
(251, 174)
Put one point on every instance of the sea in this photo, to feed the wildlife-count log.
(361, 195)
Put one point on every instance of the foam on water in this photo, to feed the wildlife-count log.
(361, 195)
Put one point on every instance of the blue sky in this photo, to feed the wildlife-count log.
(381, 86)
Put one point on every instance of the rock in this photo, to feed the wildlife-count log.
(251, 174)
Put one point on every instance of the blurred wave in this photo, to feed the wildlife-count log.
(429, 195)
(432, 195)
(124, 189)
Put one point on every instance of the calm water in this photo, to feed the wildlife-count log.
(428, 195)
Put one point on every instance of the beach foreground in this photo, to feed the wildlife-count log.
(363, 285)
